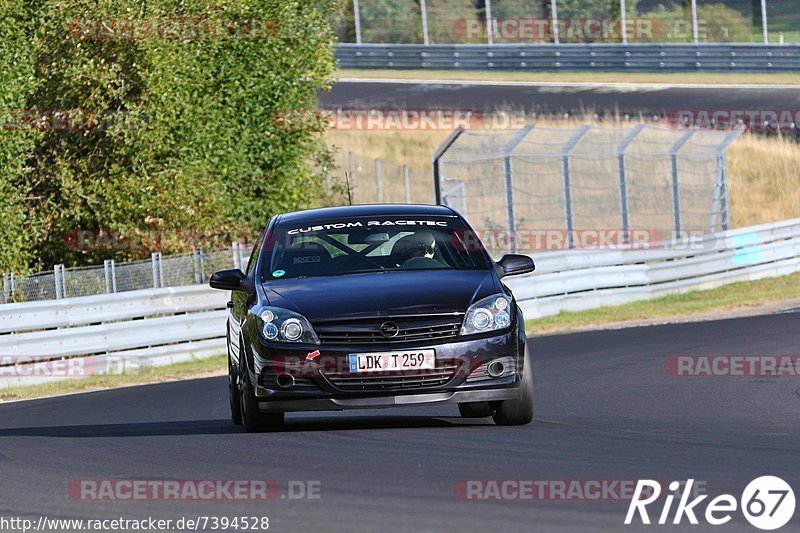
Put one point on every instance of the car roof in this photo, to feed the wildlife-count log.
(387, 210)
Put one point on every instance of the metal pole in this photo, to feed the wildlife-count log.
(6, 289)
(623, 21)
(58, 271)
(407, 183)
(676, 192)
(764, 22)
(489, 29)
(237, 262)
(154, 264)
(435, 163)
(352, 181)
(12, 283)
(623, 181)
(554, 22)
(695, 30)
(379, 180)
(357, 19)
(107, 273)
(509, 184)
(113, 276)
(567, 182)
(424, 13)
(724, 195)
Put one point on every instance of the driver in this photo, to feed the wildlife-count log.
(420, 244)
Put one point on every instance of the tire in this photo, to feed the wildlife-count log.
(254, 421)
(233, 392)
(519, 411)
(475, 410)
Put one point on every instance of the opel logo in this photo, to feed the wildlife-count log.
(389, 329)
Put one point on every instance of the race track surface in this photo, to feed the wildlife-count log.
(604, 99)
(606, 410)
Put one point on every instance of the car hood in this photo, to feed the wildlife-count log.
(382, 293)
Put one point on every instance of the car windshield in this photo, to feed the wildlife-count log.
(359, 245)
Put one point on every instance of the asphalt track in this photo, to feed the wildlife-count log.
(606, 410)
(647, 99)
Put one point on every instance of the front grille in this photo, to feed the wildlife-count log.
(440, 375)
(368, 331)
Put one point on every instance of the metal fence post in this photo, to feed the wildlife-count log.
(676, 191)
(721, 192)
(407, 182)
(695, 30)
(764, 21)
(567, 182)
(508, 149)
(623, 16)
(424, 14)
(489, 29)
(436, 163)
(108, 271)
(6, 289)
(554, 22)
(357, 19)
(623, 180)
(155, 258)
(58, 277)
(237, 255)
(379, 180)
(352, 181)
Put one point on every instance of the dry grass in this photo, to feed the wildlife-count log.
(764, 173)
(764, 180)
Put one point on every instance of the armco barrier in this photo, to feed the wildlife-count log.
(161, 326)
(565, 57)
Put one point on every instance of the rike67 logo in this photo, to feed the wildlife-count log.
(767, 503)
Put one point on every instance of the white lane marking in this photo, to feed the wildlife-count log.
(575, 84)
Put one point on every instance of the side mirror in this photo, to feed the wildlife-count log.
(514, 264)
(228, 280)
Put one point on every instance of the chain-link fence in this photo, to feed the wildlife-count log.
(626, 184)
(567, 21)
(377, 181)
(158, 272)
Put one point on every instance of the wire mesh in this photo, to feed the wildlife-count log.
(565, 182)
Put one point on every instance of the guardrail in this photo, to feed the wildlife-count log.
(565, 57)
(108, 333)
(113, 332)
(585, 279)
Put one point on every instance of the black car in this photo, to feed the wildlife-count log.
(375, 306)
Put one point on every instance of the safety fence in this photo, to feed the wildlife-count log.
(636, 178)
(115, 332)
(574, 57)
(171, 271)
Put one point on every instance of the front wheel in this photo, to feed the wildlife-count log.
(518, 411)
(254, 420)
(233, 393)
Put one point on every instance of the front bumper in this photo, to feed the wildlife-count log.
(314, 388)
(382, 402)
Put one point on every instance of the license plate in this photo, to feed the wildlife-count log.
(361, 363)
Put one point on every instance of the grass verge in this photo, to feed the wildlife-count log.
(715, 302)
(205, 367)
(584, 77)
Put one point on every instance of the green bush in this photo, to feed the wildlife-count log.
(181, 132)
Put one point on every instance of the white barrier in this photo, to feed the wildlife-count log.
(111, 332)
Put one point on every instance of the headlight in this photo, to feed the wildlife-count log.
(489, 314)
(282, 325)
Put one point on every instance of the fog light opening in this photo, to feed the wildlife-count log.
(285, 381)
(495, 369)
